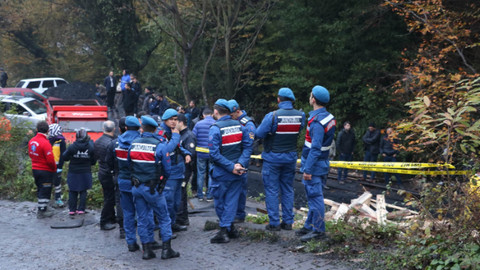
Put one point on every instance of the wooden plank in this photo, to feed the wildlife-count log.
(366, 209)
(381, 210)
(342, 210)
(397, 207)
(331, 203)
(363, 199)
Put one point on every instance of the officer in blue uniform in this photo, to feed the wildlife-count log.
(315, 163)
(230, 149)
(250, 128)
(150, 164)
(178, 156)
(124, 180)
(280, 130)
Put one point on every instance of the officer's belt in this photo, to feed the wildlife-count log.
(136, 182)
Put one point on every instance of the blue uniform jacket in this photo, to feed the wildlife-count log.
(312, 162)
(269, 126)
(161, 153)
(223, 167)
(124, 141)
(178, 163)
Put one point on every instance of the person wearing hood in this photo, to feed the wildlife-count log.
(81, 156)
(55, 136)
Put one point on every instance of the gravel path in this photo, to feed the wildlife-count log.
(30, 243)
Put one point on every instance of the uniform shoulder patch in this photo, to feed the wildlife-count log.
(251, 135)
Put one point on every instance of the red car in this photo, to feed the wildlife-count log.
(26, 92)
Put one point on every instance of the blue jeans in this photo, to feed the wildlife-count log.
(387, 175)
(278, 181)
(343, 172)
(201, 171)
(369, 157)
(316, 207)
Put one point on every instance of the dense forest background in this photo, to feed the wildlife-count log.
(373, 55)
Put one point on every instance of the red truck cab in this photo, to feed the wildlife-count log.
(72, 115)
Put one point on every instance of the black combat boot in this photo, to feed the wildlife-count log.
(168, 252)
(220, 237)
(148, 252)
(233, 233)
(155, 245)
(133, 247)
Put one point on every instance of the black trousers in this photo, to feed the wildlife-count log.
(118, 207)
(182, 213)
(73, 197)
(108, 210)
(43, 181)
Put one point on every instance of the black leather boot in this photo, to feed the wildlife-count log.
(148, 252)
(168, 252)
(220, 237)
(155, 245)
(133, 247)
(233, 233)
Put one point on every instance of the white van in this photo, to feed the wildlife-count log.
(40, 85)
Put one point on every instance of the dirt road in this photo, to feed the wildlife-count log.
(30, 243)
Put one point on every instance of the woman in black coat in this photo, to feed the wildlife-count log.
(79, 178)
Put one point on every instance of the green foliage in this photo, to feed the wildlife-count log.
(258, 219)
(16, 180)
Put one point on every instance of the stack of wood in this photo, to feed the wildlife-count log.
(366, 207)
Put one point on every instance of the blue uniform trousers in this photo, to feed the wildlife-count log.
(225, 195)
(242, 200)
(147, 204)
(173, 196)
(316, 207)
(278, 181)
(128, 208)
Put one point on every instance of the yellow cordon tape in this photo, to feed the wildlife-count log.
(386, 167)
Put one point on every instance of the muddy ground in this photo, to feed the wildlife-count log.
(30, 243)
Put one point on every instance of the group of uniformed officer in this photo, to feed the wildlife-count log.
(151, 166)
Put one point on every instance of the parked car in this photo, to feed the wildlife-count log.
(39, 85)
(26, 92)
(25, 111)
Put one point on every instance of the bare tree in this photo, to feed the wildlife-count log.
(184, 25)
(239, 21)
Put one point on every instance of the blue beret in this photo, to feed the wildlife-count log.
(286, 92)
(132, 121)
(321, 94)
(223, 103)
(169, 114)
(147, 120)
(233, 105)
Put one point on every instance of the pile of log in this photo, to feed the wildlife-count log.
(368, 208)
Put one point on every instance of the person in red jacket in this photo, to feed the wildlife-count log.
(43, 166)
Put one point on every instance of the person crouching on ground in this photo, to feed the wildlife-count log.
(79, 178)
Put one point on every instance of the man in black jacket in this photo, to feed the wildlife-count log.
(389, 152)
(109, 83)
(107, 217)
(371, 141)
(346, 146)
(187, 141)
